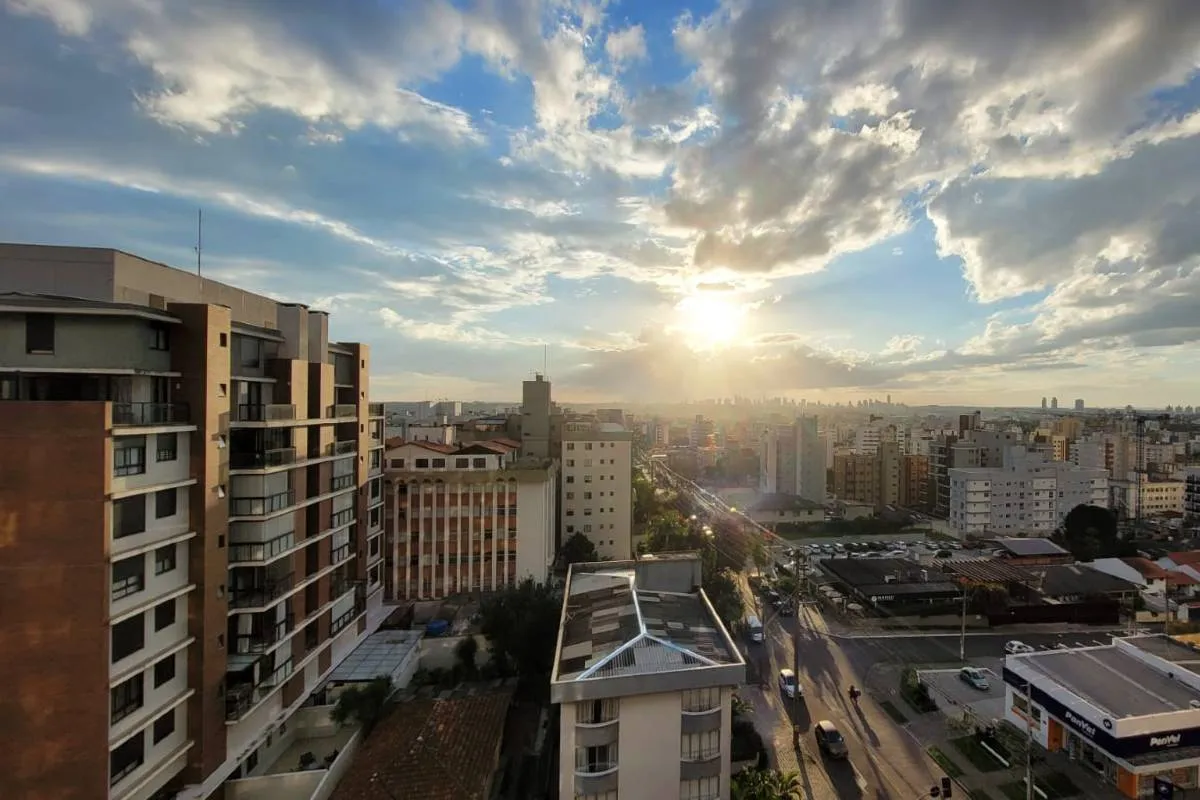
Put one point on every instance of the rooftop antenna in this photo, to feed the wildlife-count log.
(545, 358)
(199, 238)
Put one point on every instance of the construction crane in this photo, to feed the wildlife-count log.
(1140, 432)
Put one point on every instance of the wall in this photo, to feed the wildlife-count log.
(85, 272)
(649, 746)
(53, 529)
(438, 652)
(86, 342)
(535, 527)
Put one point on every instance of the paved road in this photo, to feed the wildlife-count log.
(933, 648)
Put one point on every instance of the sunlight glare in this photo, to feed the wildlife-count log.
(710, 320)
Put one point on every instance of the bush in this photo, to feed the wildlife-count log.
(745, 742)
(916, 693)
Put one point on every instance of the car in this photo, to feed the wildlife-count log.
(975, 678)
(788, 685)
(830, 739)
(1015, 648)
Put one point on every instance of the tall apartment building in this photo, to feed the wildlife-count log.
(914, 481)
(1029, 494)
(190, 489)
(855, 478)
(597, 486)
(792, 460)
(466, 519)
(644, 672)
(1191, 492)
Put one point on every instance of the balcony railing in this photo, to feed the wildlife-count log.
(259, 506)
(345, 619)
(264, 640)
(342, 411)
(375, 410)
(255, 596)
(279, 457)
(262, 551)
(339, 482)
(701, 754)
(258, 412)
(341, 518)
(240, 698)
(595, 768)
(150, 413)
(343, 448)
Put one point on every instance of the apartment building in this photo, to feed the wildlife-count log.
(597, 486)
(1030, 494)
(792, 460)
(466, 519)
(190, 486)
(1154, 498)
(644, 673)
(1191, 492)
(914, 480)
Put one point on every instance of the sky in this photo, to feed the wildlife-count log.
(969, 202)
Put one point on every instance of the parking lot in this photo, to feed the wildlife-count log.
(954, 695)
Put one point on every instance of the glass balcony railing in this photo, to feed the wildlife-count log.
(263, 640)
(375, 410)
(343, 448)
(339, 482)
(258, 412)
(259, 506)
(150, 413)
(261, 594)
(342, 411)
(263, 459)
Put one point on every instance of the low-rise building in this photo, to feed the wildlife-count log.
(1154, 498)
(771, 510)
(1033, 551)
(644, 672)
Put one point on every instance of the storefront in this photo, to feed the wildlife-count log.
(1129, 762)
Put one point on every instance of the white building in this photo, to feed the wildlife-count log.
(466, 519)
(597, 486)
(792, 460)
(644, 673)
(1028, 495)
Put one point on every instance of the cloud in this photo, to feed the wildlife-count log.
(627, 44)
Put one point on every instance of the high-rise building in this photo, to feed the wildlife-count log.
(467, 519)
(792, 460)
(597, 486)
(1054, 402)
(536, 411)
(644, 674)
(1043, 404)
(191, 495)
(1079, 405)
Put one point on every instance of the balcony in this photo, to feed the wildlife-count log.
(263, 459)
(263, 640)
(339, 482)
(150, 414)
(341, 518)
(250, 552)
(375, 410)
(262, 593)
(241, 698)
(258, 412)
(261, 506)
(341, 411)
(596, 777)
(345, 448)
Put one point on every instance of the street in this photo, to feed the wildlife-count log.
(934, 648)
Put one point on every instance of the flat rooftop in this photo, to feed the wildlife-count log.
(381, 653)
(612, 629)
(1113, 681)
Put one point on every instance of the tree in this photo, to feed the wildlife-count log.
(726, 598)
(521, 624)
(765, 784)
(989, 598)
(1090, 532)
(576, 550)
(365, 704)
(465, 653)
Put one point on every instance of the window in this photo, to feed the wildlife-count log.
(164, 726)
(127, 698)
(129, 516)
(160, 336)
(397, 463)
(439, 463)
(128, 636)
(594, 712)
(164, 559)
(166, 446)
(587, 445)
(570, 495)
(223, 339)
(422, 463)
(128, 576)
(587, 495)
(479, 463)
(164, 615)
(39, 333)
(165, 503)
(461, 463)
(700, 788)
(701, 699)
(570, 462)
(126, 758)
(129, 456)
(570, 445)
(570, 479)
(250, 352)
(164, 670)
(596, 759)
(700, 746)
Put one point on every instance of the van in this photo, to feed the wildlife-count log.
(754, 628)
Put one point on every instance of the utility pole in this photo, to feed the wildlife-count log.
(1029, 740)
(796, 626)
(962, 636)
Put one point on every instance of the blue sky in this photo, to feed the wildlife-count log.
(681, 200)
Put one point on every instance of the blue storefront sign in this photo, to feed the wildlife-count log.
(1100, 734)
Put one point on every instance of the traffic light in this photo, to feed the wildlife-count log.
(947, 789)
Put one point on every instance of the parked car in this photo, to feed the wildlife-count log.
(830, 739)
(788, 684)
(975, 678)
(1015, 648)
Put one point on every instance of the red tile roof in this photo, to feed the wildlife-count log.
(1176, 578)
(1147, 568)
(507, 442)
(435, 447)
(1188, 557)
(431, 749)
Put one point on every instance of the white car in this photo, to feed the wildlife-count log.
(788, 684)
(1015, 648)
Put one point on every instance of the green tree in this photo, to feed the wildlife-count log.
(988, 598)
(577, 549)
(1090, 532)
(765, 784)
(465, 652)
(364, 704)
(521, 625)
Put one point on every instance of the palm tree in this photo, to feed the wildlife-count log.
(768, 784)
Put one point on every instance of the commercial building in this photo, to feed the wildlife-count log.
(1129, 711)
(644, 673)
(1029, 494)
(597, 486)
(466, 519)
(792, 460)
(192, 510)
(771, 510)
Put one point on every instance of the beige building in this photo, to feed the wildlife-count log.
(467, 519)
(597, 486)
(191, 511)
(644, 673)
(1156, 497)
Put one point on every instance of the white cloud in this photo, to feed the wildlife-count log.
(627, 44)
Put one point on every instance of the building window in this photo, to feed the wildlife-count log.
(167, 447)
(160, 336)
(570, 462)
(165, 503)
(126, 758)
(700, 788)
(461, 463)
(129, 516)
(422, 463)
(587, 445)
(164, 559)
(570, 445)
(701, 699)
(164, 615)
(439, 463)
(397, 463)
(39, 333)
(164, 726)
(594, 712)
(128, 636)
(129, 456)
(127, 698)
(164, 671)
(479, 463)
(700, 746)
(128, 576)
(596, 759)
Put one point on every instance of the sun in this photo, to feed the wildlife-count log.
(709, 320)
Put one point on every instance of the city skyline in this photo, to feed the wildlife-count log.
(665, 211)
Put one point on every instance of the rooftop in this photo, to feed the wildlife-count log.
(889, 576)
(1034, 546)
(1146, 568)
(786, 502)
(381, 653)
(1113, 681)
(985, 569)
(611, 629)
(1065, 580)
(1187, 557)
